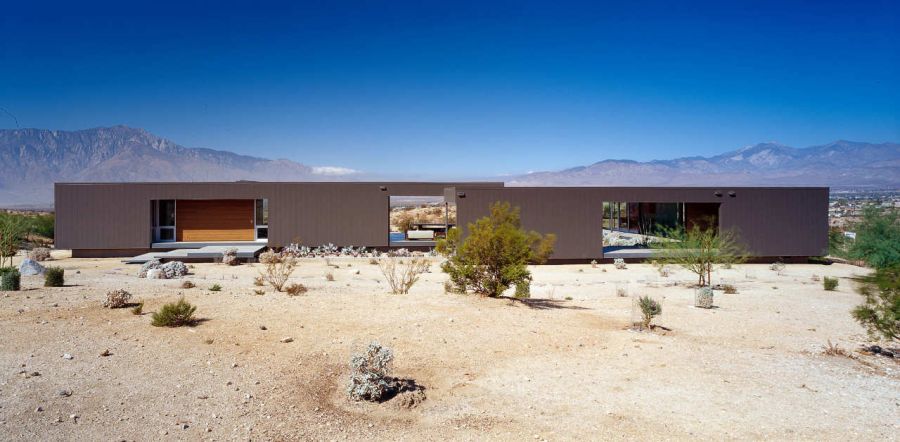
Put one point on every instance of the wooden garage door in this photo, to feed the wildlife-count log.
(214, 220)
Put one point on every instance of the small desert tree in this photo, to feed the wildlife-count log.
(699, 249)
(495, 254)
(277, 272)
(877, 238)
(401, 275)
(880, 313)
(12, 232)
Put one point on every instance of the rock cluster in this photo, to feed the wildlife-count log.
(170, 270)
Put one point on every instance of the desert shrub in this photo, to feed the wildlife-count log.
(404, 222)
(229, 257)
(619, 263)
(622, 291)
(650, 308)
(777, 266)
(698, 249)
(400, 275)
(880, 312)
(296, 289)
(258, 281)
(13, 230)
(276, 274)
(495, 254)
(259, 292)
(835, 350)
(703, 297)
(830, 283)
(54, 277)
(268, 257)
(370, 373)
(593, 263)
(729, 289)
(138, 309)
(329, 276)
(174, 314)
(815, 278)
(877, 238)
(39, 254)
(188, 285)
(215, 288)
(373, 261)
(117, 299)
(523, 290)
(10, 279)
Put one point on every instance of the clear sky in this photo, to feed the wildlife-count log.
(457, 88)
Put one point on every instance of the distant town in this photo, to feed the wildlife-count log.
(845, 206)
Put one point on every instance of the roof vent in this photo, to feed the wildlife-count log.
(717, 193)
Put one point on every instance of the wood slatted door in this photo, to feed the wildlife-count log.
(214, 220)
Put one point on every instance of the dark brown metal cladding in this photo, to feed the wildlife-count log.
(771, 221)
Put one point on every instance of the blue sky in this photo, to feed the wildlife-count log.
(467, 89)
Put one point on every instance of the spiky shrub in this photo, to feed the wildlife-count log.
(138, 309)
(215, 288)
(54, 277)
(295, 289)
(370, 374)
(10, 279)
(402, 275)
(619, 263)
(329, 277)
(188, 285)
(117, 299)
(229, 257)
(829, 283)
(880, 312)
(277, 273)
(495, 254)
(650, 308)
(39, 254)
(268, 257)
(174, 314)
(729, 289)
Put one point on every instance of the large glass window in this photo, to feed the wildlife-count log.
(164, 220)
(262, 219)
(166, 213)
(419, 219)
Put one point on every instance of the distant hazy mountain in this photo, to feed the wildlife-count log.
(31, 160)
(838, 164)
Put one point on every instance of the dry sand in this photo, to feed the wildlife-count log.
(554, 369)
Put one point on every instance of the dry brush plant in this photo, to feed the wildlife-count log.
(370, 373)
(296, 289)
(229, 256)
(39, 254)
(276, 273)
(402, 275)
(698, 250)
(650, 308)
(117, 299)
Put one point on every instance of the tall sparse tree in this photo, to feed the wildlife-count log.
(12, 232)
(699, 249)
(877, 238)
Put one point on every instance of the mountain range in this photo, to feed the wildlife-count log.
(31, 160)
(837, 164)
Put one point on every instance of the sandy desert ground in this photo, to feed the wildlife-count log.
(565, 366)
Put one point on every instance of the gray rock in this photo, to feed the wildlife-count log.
(156, 274)
(30, 267)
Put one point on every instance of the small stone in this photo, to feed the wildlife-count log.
(67, 356)
(74, 417)
(286, 340)
(38, 409)
(64, 393)
(234, 365)
(106, 353)
(263, 327)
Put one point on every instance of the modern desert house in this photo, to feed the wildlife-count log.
(128, 219)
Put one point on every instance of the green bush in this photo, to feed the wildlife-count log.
(830, 283)
(174, 314)
(54, 277)
(9, 279)
(877, 238)
(523, 290)
(880, 313)
(649, 309)
(215, 288)
(496, 253)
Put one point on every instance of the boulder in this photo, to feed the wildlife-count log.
(156, 274)
(30, 267)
